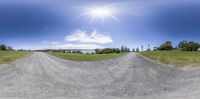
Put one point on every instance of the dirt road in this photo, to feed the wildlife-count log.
(43, 76)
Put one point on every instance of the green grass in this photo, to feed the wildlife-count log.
(86, 57)
(9, 56)
(175, 57)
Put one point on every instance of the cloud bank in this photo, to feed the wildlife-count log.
(78, 46)
(93, 37)
(80, 39)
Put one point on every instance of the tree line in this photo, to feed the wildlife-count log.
(183, 46)
(107, 50)
(3, 47)
(113, 50)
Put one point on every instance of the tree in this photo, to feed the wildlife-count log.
(116, 50)
(133, 50)
(122, 49)
(183, 45)
(126, 49)
(107, 50)
(166, 46)
(188, 46)
(142, 47)
(2, 47)
(137, 50)
(148, 49)
(9, 48)
(155, 48)
(194, 46)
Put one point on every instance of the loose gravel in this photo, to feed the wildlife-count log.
(42, 76)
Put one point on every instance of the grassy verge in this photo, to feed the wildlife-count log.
(176, 58)
(9, 56)
(86, 57)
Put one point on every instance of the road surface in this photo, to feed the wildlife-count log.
(42, 76)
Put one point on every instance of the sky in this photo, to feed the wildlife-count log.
(79, 24)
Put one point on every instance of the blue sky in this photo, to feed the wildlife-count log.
(34, 24)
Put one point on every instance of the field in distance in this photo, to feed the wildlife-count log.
(86, 57)
(174, 57)
(9, 56)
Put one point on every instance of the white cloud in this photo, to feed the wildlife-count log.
(77, 46)
(94, 37)
(48, 42)
(80, 40)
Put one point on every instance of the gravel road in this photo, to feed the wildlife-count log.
(42, 76)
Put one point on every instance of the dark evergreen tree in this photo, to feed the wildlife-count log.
(148, 49)
(126, 49)
(122, 48)
(137, 50)
(142, 48)
(133, 50)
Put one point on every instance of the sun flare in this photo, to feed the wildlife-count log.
(101, 13)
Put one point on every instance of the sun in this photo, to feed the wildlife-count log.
(101, 13)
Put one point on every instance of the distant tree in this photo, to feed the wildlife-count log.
(116, 50)
(166, 46)
(107, 50)
(188, 46)
(97, 51)
(9, 48)
(137, 50)
(142, 48)
(183, 45)
(148, 48)
(193, 46)
(77, 51)
(155, 48)
(122, 48)
(133, 50)
(20, 50)
(126, 49)
(2, 47)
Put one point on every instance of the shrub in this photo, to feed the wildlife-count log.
(188, 46)
(2, 47)
(107, 50)
(166, 46)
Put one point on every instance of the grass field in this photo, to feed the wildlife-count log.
(175, 57)
(8, 56)
(86, 57)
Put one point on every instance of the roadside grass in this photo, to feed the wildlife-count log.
(86, 57)
(174, 57)
(9, 56)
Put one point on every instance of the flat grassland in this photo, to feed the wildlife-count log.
(86, 57)
(9, 56)
(174, 57)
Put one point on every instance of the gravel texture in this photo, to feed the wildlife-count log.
(42, 76)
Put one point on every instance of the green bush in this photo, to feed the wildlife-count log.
(166, 46)
(107, 50)
(2, 47)
(188, 46)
